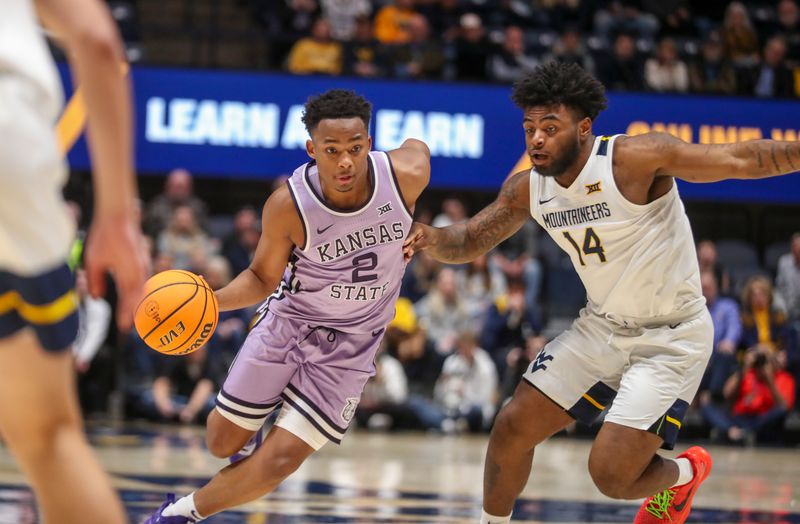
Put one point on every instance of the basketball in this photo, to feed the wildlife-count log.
(178, 313)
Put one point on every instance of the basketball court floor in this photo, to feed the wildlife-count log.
(413, 478)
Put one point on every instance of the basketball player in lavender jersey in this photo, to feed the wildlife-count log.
(330, 260)
(642, 342)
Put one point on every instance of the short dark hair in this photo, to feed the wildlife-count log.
(561, 83)
(336, 103)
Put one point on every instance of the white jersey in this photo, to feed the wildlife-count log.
(24, 53)
(637, 262)
(35, 229)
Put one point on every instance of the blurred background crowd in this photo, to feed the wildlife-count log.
(461, 336)
(700, 46)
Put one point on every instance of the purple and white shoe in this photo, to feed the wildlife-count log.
(250, 447)
(158, 518)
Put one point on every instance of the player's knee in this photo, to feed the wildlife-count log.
(220, 445)
(607, 478)
(512, 430)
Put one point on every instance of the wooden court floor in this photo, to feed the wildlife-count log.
(413, 478)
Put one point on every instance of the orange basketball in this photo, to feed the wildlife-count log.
(178, 313)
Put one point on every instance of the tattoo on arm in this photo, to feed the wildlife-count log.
(496, 222)
(772, 155)
(787, 153)
(777, 165)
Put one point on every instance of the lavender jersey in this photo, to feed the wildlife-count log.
(347, 275)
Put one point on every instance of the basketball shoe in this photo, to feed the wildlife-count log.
(158, 518)
(250, 447)
(674, 504)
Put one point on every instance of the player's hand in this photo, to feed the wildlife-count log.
(115, 245)
(420, 237)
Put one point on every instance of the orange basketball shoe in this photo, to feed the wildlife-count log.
(674, 504)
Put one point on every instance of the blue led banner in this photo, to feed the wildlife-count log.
(247, 125)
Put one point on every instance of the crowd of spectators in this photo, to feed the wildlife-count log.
(675, 46)
(462, 335)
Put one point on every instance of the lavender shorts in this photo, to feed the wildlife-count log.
(316, 372)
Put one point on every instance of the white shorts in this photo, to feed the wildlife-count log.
(36, 230)
(646, 377)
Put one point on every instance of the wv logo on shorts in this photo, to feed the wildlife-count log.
(539, 363)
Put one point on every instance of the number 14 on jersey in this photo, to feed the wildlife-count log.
(591, 245)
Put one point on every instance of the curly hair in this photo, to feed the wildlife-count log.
(561, 83)
(336, 103)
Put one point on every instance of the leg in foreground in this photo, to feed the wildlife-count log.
(243, 481)
(45, 434)
(528, 419)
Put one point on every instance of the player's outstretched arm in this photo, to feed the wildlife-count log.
(666, 155)
(466, 241)
(281, 230)
(95, 52)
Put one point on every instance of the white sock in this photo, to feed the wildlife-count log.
(491, 519)
(685, 471)
(183, 507)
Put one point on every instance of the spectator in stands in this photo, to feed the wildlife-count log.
(511, 61)
(570, 49)
(727, 322)
(392, 22)
(788, 26)
(712, 73)
(362, 56)
(419, 277)
(383, 400)
(623, 70)
(763, 323)
(510, 324)
(788, 279)
(287, 21)
(517, 362)
(443, 16)
(183, 240)
(472, 49)
(178, 191)
(772, 79)
(183, 390)
(443, 313)
(517, 258)
(762, 394)
(342, 16)
(466, 391)
(739, 37)
(481, 284)
(239, 246)
(316, 54)
(666, 72)
(625, 16)
(411, 346)
(422, 57)
(674, 16)
(507, 13)
(453, 212)
(708, 261)
(564, 13)
(231, 325)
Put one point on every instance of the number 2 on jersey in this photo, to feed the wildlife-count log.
(591, 245)
(362, 264)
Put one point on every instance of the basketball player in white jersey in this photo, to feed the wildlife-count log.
(641, 344)
(39, 415)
